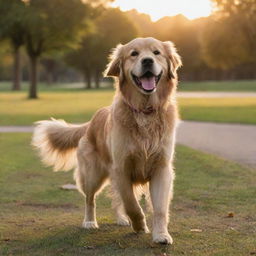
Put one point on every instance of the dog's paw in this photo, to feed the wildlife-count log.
(122, 221)
(162, 238)
(142, 230)
(90, 224)
(146, 230)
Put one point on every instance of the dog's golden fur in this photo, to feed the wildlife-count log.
(129, 143)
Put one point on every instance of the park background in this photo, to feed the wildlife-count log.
(52, 55)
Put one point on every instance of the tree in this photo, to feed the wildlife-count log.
(229, 38)
(11, 28)
(51, 25)
(185, 34)
(6, 61)
(110, 28)
(50, 65)
(83, 58)
(142, 22)
(221, 46)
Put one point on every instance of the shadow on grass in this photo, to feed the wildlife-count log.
(110, 239)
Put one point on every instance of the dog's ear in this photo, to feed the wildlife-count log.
(114, 66)
(174, 59)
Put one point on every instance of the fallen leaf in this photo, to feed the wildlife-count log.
(230, 215)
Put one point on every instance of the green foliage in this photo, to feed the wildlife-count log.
(51, 28)
(12, 28)
(6, 60)
(185, 34)
(53, 25)
(113, 25)
(11, 21)
(229, 37)
(110, 28)
(142, 22)
(223, 47)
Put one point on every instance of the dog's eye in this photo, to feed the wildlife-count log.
(134, 53)
(156, 52)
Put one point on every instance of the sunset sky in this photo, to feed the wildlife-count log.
(159, 8)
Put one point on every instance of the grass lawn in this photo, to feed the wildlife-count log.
(38, 218)
(56, 87)
(242, 85)
(227, 86)
(226, 110)
(79, 106)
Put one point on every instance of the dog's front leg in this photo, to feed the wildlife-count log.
(131, 205)
(161, 192)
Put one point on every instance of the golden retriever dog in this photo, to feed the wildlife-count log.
(130, 143)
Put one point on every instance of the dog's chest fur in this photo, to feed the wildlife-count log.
(148, 137)
(148, 132)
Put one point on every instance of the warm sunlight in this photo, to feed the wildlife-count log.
(159, 8)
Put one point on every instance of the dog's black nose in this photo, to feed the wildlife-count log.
(147, 62)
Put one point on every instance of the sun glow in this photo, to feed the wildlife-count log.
(159, 8)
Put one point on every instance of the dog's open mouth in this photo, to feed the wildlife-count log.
(147, 82)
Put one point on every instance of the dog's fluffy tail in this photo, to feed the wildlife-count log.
(57, 141)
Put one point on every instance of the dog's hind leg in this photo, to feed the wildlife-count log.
(117, 205)
(90, 178)
(130, 202)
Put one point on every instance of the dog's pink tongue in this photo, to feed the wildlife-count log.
(148, 83)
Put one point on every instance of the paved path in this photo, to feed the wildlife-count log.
(232, 141)
(216, 94)
(8, 129)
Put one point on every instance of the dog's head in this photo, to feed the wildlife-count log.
(144, 63)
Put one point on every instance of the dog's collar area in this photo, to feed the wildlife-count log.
(146, 111)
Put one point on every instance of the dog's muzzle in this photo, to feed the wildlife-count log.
(148, 81)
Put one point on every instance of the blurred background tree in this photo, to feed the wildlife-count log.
(240, 16)
(6, 63)
(49, 28)
(222, 46)
(69, 40)
(91, 57)
(229, 37)
(142, 22)
(12, 29)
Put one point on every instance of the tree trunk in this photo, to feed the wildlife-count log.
(49, 77)
(88, 80)
(97, 80)
(33, 78)
(50, 68)
(16, 70)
